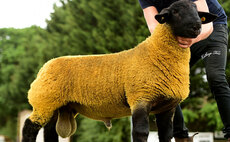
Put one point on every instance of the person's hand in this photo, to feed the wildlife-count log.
(185, 42)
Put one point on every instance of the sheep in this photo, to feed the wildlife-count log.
(153, 77)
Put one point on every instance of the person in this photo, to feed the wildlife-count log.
(211, 47)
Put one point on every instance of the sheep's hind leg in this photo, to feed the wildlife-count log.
(30, 131)
(38, 118)
(165, 125)
(50, 134)
(140, 120)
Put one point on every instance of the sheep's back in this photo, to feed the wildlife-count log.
(92, 81)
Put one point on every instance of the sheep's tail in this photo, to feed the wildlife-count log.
(66, 124)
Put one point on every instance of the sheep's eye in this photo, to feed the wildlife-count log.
(194, 5)
(174, 11)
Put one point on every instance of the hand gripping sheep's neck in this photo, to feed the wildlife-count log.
(153, 77)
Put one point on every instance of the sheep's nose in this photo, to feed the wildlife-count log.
(196, 26)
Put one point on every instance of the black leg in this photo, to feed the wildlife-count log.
(165, 125)
(140, 119)
(50, 134)
(30, 131)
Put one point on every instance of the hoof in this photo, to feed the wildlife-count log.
(189, 139)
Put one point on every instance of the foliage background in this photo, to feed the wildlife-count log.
(89, 27)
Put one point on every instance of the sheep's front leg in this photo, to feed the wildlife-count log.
(165, 125)
(140, 120)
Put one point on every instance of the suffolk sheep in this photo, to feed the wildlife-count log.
(153, 77)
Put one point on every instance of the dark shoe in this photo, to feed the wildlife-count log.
(189, 139)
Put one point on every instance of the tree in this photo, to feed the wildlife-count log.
(20, 58)
(84, 28)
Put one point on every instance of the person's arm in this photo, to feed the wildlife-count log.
(149, 14)
(151, 11)
(206, 29)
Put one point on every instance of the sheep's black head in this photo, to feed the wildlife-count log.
(184, 19)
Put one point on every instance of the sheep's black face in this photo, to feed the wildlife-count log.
(184, 19)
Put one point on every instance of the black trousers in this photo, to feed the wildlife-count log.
(213, 51)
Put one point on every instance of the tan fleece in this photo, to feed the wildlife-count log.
(109, 86)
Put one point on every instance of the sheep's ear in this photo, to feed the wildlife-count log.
(207, 17)
(163, 16)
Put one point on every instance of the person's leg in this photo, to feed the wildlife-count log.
(215, 68)
(215, 59)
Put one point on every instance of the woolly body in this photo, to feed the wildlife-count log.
(109, 86)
